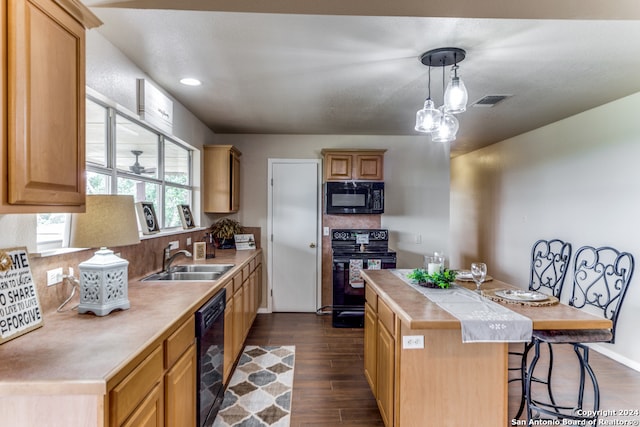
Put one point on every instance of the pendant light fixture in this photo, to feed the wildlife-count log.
(454, 97)
(428, 119)
(447, 128)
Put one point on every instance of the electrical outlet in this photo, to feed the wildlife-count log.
(412, 341)
(174, 245)
(418, 239)
(71, 271)
(325, 231)
(188, 241)
(54, 276)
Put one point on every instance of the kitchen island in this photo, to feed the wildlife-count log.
(421, 372)
(85, 370)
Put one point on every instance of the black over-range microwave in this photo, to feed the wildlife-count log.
(354, 197)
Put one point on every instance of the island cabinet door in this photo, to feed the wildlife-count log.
(370, 346)
(385, 374)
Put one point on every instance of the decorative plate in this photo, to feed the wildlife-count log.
(520, 295)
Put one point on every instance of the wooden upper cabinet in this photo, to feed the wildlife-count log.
(338, 166)
(221, 178)
(345, 165)
(43, 105)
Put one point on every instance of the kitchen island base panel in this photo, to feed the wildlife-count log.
(450, 383)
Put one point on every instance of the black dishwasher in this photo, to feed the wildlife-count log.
(210, 337)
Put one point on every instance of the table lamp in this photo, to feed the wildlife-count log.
(109, 220)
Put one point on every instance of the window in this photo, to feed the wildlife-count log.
(126, 157)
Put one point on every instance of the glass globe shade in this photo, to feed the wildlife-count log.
(455, 96)
(428, 119)
(447, 130)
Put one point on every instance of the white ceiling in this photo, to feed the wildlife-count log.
(338, 73)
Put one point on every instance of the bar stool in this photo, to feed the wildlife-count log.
(600, 281)
(549, 264)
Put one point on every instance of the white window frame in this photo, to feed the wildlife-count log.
(113, 173)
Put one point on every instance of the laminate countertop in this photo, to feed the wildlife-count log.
(418, 312)
(83, 354)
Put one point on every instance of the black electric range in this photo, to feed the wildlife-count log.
(354, 250)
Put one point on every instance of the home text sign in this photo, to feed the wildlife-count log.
(19, 306)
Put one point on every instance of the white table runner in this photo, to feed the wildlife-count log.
(482, 320)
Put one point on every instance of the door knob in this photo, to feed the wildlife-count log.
(312, 245)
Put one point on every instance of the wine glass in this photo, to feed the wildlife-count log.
(478, 272)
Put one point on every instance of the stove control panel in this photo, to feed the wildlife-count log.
(351, 235)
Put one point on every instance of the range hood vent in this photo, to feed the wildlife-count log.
(489, 100)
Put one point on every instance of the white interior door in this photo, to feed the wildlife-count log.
(294, 234)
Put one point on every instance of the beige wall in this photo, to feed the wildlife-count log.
(416, 184)
(577, 179)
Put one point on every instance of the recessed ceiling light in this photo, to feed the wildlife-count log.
(190, 81)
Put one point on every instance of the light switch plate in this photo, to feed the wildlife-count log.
(325, 231)
(412, 341)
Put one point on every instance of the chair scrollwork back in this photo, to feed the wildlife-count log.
(549, 264)
(600, 279)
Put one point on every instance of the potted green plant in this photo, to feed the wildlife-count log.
(223, 231)
(441, 280)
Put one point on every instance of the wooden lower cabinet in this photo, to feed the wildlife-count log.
(161, 390)
(370, 346)
(385, 375)
(132, 393)
(238, 321)
(241, 311)
(380, 354)
(228, 358)
(181, 384)
(149, 413)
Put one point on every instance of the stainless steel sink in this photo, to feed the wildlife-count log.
(206, 268)
(193, 272)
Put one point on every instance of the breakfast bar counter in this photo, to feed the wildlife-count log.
(420, 370)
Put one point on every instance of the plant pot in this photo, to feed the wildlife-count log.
(226, 243)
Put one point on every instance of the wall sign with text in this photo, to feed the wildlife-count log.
(20, 310)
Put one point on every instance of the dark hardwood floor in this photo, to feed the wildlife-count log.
(329, 388)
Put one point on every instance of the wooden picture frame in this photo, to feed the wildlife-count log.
(147, 218)
(199, 251)
(185, 216)
(20, 310)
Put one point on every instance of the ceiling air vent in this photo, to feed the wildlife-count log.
(489, 100)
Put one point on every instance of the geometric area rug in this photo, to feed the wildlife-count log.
(259, 392)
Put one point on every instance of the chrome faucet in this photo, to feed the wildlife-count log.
(168, 258)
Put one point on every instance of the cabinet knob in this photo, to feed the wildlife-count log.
(312, 245)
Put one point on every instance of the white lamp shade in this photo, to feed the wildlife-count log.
(109, 220)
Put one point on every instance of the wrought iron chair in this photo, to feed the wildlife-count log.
(549, 264)
(600, 280)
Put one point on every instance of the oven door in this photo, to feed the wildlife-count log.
(348, 288)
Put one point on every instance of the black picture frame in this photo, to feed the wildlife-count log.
(186, 216)
(147, 218)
